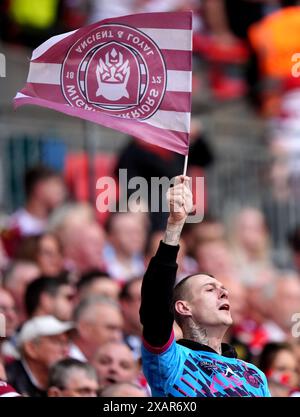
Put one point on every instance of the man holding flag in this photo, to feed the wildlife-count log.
(133, 74)
(199, 365)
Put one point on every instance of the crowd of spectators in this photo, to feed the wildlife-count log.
(71, 289)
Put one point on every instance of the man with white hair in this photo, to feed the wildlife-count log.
(98, 320)
(81, 236)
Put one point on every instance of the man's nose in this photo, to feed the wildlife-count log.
(113, 369)
(223, 293)
(65, 348)
(116, 335)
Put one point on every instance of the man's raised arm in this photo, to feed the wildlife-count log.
(157, 290)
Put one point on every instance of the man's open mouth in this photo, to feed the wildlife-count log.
(110, 380)
(225, 307)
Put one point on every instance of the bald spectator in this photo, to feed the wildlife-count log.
(72, 378)
(50, 296)
(114, 362)
(130, 301)
(85, 253)
(97, 282)
(98, 320)
(43, 341)
(81, 236)
(16, 280)
(45, 190)
(123, 389)
(123, 255)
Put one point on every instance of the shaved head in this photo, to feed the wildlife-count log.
(203, 300)
(182, 291)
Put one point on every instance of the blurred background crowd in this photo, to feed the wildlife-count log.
(71, 275)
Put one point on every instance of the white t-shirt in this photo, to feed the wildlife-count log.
(28, 224)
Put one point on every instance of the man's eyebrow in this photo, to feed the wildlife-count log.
(214, 285)
(210, 283)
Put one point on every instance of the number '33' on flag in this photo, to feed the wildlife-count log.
(130, 73)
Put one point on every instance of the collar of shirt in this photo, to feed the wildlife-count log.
(227, 350)
(32, 378)
(76, 353)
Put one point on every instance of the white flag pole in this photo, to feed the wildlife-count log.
(185, 164)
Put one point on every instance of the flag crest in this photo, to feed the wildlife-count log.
(131, 73)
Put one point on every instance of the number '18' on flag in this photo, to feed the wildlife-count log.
(130, 73)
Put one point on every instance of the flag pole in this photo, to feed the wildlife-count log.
(186, 158)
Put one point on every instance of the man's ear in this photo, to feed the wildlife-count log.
(29, 348)
(182, 307)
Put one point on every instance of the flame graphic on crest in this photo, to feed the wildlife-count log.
(112, 76)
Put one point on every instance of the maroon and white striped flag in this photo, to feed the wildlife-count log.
(131, 73)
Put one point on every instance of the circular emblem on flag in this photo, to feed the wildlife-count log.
(116, 69)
